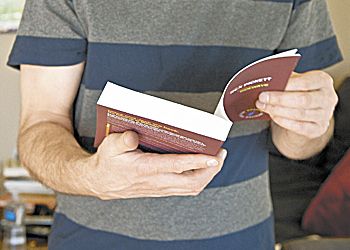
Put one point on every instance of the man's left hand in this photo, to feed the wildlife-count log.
(305, 107)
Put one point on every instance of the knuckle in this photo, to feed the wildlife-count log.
(111, 139)
(305, 100)
(334, 100)
(141, 169)
(146, 168)
(316, 131)
(327, 115)
(300, 113)
(324, 127)
(328, 100)
(327, 79)
(176, 167)
(319, 115)
(104, 150)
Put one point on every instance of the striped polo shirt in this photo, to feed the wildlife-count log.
(184, 51)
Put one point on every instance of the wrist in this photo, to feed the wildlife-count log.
(296, 146)
(72, 180)
(84, 176)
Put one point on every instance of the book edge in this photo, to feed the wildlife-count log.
(164, 111)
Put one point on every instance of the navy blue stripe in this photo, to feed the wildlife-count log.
(47, 51)
(276, 1)
(247, 158)
(140, 67)
(319, 55)
(158, 68)
(297, 3)
(166, 68)
(67, 235)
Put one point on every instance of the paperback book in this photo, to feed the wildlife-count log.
(168, 127)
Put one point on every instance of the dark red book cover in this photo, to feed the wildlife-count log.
(153, 135)
(169, 127)
(268, 74)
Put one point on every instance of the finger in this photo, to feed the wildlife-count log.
(193, 181)
(312, 80)
(119, 143)
(306, 100)
(153, 164)
(308, 129)
(300, 114)
(168, 184)
(199, 179)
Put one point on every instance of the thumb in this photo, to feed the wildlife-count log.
(119, 143)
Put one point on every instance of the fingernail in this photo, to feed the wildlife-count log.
(264, 97)
(212, 163)
(222, 154)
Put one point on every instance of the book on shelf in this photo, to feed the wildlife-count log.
(26, 187)
(17, 180)
(165, 126)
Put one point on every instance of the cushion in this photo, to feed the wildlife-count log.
(329, 212)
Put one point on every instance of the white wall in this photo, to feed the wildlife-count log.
(9, 100)
(9, 78)
(340, 13)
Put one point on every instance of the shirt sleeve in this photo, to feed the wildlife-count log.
(310, 30)
(50, 34)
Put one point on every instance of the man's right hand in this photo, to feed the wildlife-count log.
(50, 152)
(119, 170)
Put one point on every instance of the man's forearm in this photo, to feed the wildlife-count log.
(295, 146)
(52, 155)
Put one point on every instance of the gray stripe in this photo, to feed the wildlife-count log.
(215, 212)
(201, 22)
(310, 23)
(86, 104)
(240, 23)
(244, 128)
(50, 18)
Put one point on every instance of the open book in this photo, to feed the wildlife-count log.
(165, 126)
